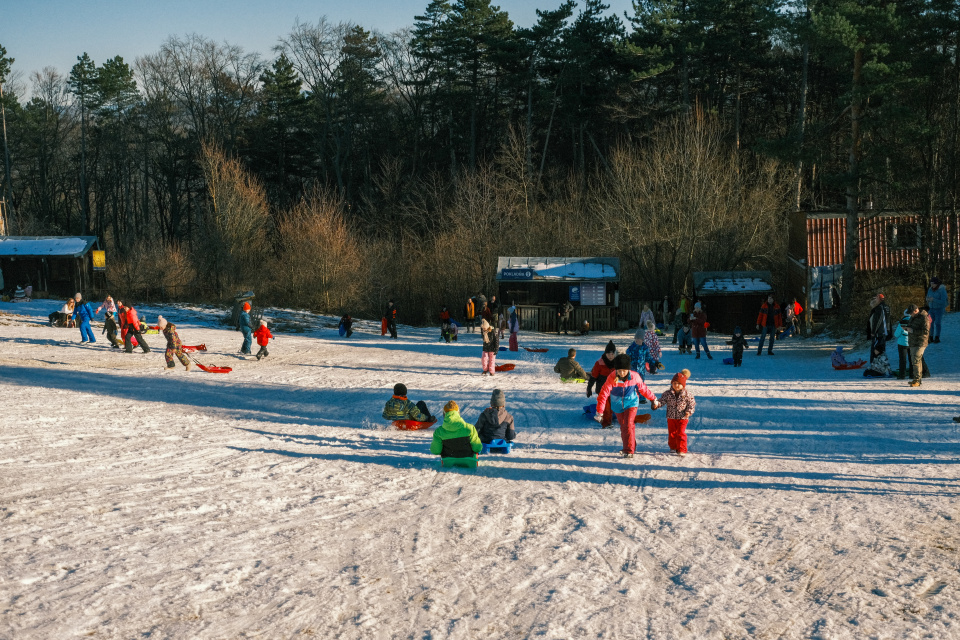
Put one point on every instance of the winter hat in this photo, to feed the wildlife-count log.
(263, 323)
(622, 361)
(399, 389)
(246, 306)
(484, 325)
(511, 309)
(736, 330)
(611, 348)
(696, 305)
(451, 406)
(497, 399)
(881, 297)
(934, 280)
(161, 322)
(682, 377)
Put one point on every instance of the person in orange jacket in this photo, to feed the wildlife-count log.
(263, 336)
(769, 320)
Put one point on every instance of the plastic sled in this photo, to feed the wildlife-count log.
(728, 361)
(497, 445)
(535, 350)
(580, 380)
(465, 463)
(503, 348)
(213, 369)
(413, 425)
(342, 330)
(383, 327)
(505, 367)
(195, 347)
(850, 365)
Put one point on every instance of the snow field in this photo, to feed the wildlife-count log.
(275, 502)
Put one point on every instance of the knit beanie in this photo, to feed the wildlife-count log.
(497, 399)
(246, 306)
(611, 348)
(161, 322)
(736, 331)
(696, 305)
(682, 377)
(484, 325)
(622, 361)
(399, 389)
(451, 406)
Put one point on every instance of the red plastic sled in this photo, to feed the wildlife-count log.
(536, 350)
(850, 365)
(213, 369)
(505, 367)
(412, 425)
(383, 327)
(196, 347)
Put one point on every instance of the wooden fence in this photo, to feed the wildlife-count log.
(543, 319)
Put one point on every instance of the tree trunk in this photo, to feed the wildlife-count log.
(852, 248)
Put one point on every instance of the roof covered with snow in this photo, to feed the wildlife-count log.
(714, 283)
(46, 246)
(560, 269)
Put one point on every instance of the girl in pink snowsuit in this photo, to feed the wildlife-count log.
(491, 345)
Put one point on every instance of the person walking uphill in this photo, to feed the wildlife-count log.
(174, 345)
(622, 392)
(132, 327)
(514, 326)
(878, 326)
(82, 315)
(245, 326)
(491, 345)
(390, 313)
(768, 321)
(698, 328)
(937, 301)
(602, 369)
(918, 330)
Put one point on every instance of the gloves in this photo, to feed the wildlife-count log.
(598, 417)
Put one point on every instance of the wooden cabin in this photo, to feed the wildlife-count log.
(57, 265)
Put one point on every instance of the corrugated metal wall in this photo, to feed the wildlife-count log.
(826, 237)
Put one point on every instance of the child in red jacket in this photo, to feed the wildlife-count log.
(263, 336)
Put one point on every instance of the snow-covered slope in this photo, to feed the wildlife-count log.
(274, 502)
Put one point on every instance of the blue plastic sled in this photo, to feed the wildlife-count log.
(728, 361)
(342, 330)
(590, 410)
(497, 445)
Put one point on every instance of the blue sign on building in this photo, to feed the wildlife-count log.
(574, 293)
(516, 274)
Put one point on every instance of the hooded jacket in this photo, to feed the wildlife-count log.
(493, 423)
(622, 394)
(455, 438)
(399, 408)
(919, 326)
(263, 335)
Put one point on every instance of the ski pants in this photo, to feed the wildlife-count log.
(131, 333)
(392, 328)
(263, 353)
(702, 341)
(171, 353)
(878, 346)
(488, 362)
(677, 434)
(513, 342)
(628, 430)
(247, 340)
(936, 318)
(86, 333)
(764, 332)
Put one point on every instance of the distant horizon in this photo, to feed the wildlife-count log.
(50, 33)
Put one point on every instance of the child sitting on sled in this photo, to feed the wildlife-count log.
(400, 408)
(174, 346)
(569, 368)
(263, 335)
(455, 441)
(839, 362)
(495, 422)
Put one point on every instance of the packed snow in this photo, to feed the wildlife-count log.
(275, 502)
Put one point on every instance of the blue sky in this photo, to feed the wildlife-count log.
(41, 33)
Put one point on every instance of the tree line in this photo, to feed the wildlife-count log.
(354, 166)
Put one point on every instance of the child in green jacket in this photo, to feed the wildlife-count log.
(455, 441)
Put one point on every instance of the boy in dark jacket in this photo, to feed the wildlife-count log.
(495, 422)
(569, 368)
(739, 343)
(111, 329)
